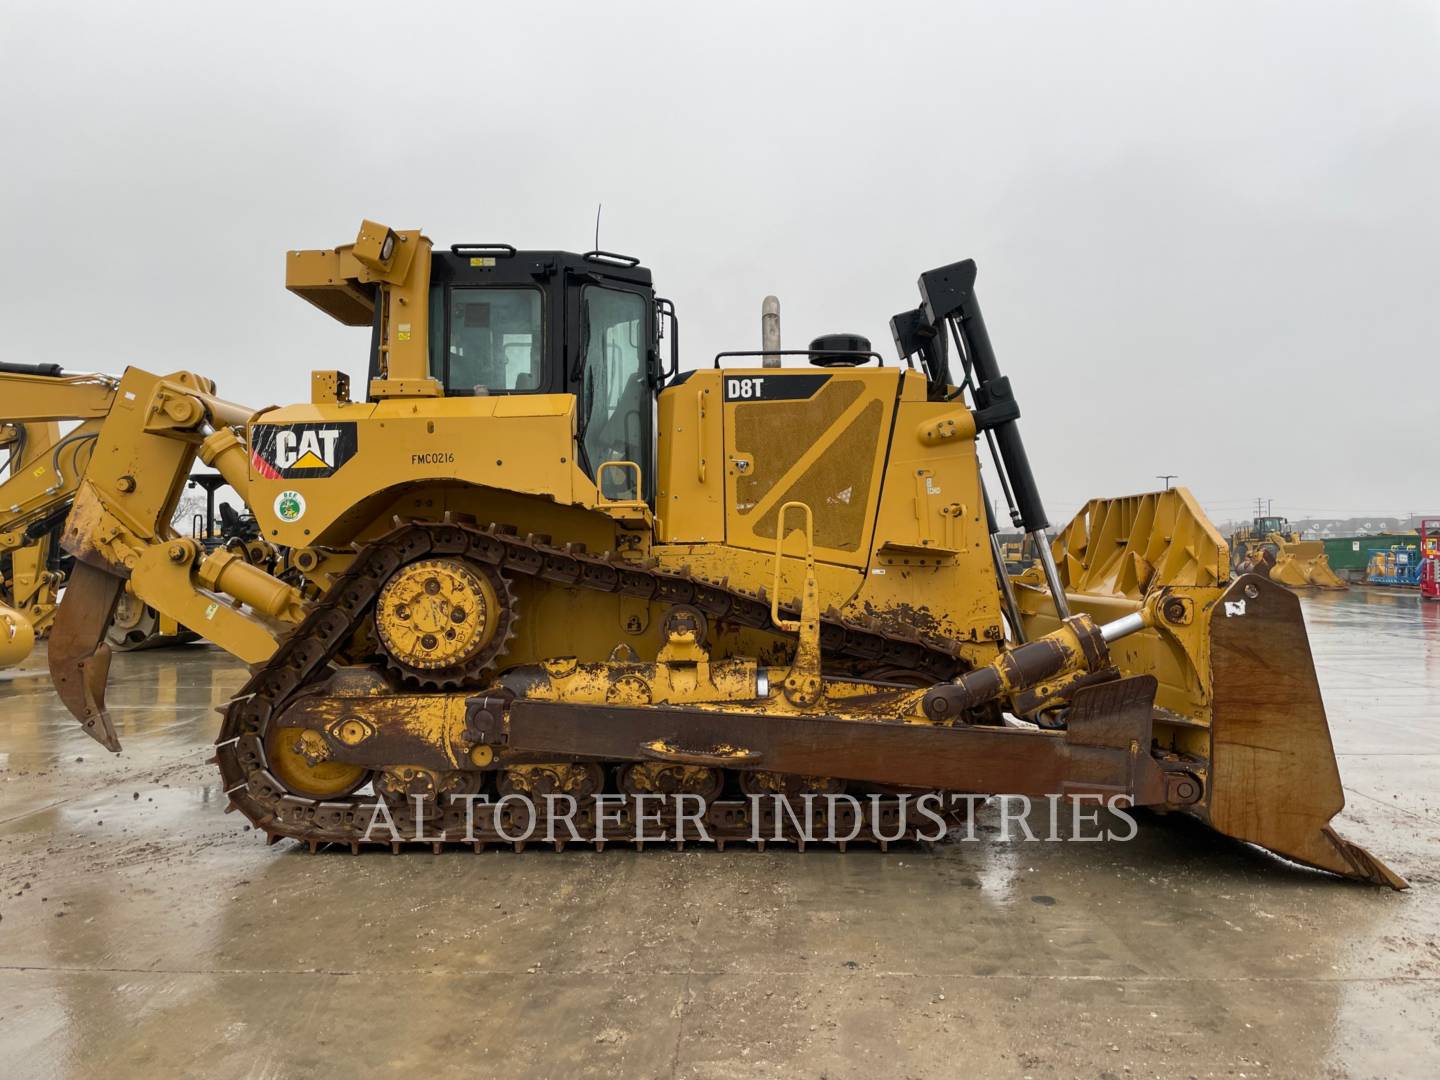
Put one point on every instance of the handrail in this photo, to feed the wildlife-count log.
(790, 625)
(600, 487)
(504, 250)
(598, 256)
(802, 352)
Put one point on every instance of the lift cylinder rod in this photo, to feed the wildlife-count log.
(948, 295)
(1080, 644)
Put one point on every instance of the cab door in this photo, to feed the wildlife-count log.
(817, 437)
(615, 387)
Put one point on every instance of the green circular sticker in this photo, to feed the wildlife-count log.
(289, 506)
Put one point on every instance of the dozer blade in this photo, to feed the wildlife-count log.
(79, 657)
(1274, 780)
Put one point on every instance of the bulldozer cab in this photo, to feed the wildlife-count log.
(508, 322)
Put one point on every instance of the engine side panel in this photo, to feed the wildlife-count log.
(312, 464)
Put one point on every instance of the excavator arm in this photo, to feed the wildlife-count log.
(44, 467)
(42, 471)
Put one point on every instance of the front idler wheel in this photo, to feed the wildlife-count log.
(299, 759)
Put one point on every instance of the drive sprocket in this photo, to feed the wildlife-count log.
(441, 623)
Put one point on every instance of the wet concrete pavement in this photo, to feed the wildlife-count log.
(143, 932)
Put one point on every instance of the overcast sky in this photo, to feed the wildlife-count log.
(1207, 233)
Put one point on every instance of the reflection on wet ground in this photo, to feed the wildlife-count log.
(144, 932)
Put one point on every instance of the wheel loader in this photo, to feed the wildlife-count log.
(1269, 547)
(537, 579)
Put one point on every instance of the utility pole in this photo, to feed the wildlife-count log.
(1167, 477)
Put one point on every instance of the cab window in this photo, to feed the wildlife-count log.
(614, 397)
(486, 340)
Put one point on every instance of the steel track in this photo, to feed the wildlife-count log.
(306, 653)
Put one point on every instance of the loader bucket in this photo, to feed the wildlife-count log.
(1303, 564)
(1237, 686)
(17, 637)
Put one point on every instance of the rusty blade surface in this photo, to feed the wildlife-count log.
(1274, 778)
(79, 657)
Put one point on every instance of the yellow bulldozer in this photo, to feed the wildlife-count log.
(1270, 547)
(537, 578)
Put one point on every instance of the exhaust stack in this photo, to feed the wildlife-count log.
(770, 331)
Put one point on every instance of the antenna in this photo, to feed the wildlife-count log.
(597, 225)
